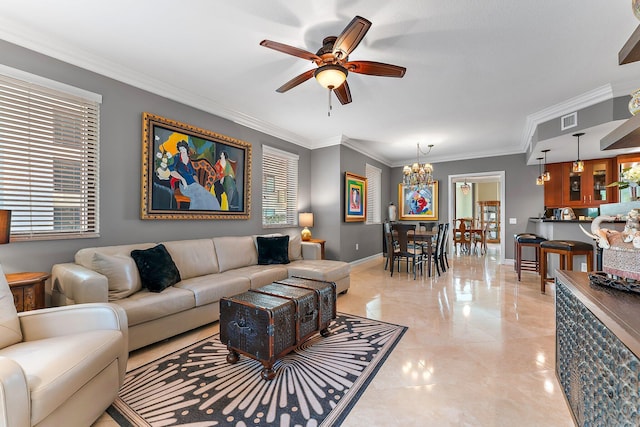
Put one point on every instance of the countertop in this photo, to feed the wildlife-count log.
(618, 310)
(568, 221)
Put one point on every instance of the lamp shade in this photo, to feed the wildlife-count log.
(331, 76)
(305, 219)
(5, 226)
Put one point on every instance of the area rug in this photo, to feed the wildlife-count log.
(316, 385)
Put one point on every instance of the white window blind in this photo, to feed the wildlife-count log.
(49, 160)
(279, 188)
(374, 196)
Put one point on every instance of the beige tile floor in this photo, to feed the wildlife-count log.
(479, 350)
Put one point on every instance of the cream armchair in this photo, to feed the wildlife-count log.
(59, 366)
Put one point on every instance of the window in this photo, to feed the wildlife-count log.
(49, 134)
(279, 188)
(374, 196)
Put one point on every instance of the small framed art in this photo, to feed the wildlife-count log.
(355, 204)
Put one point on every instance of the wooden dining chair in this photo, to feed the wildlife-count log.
(461, 234)
(390, 246)
(407, 248)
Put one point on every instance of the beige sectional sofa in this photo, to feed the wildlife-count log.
(209, 270)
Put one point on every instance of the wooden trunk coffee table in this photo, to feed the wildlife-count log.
(267, 323)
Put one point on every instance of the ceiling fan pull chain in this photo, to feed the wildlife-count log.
(329, 111)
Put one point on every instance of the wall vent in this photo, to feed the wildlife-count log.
(569, 121)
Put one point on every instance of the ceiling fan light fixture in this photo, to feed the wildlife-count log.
(331, 76)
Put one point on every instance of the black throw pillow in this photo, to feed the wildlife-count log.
(273, 250)
(156, 267)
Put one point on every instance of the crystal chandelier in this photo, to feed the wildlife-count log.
(418, 176)
(465, 188)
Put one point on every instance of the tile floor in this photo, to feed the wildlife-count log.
(479, 350)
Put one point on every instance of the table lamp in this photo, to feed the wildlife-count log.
(305, 219)
(5, 226)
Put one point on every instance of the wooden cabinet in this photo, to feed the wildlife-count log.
(580, 190)
(27, 290)
(488, 212)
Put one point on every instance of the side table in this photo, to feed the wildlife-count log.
(321, 245)
(27, 289)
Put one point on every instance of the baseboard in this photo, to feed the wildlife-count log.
(363, 260)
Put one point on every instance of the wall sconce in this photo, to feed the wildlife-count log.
(305, 219)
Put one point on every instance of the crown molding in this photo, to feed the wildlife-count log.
(465, 156)
(576, 103)
(360, 148)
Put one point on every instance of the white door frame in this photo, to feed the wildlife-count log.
(500, 175)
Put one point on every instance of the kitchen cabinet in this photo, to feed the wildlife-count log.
(489, 214)
(581, 190)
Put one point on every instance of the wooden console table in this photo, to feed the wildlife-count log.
(597, 350)
(27, 290)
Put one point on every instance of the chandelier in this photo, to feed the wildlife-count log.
(418, 176)
(465, 188)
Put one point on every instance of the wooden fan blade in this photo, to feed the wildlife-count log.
(350, 37)
(375, 68)
(290, 50)
(296, 81)
(343, 93)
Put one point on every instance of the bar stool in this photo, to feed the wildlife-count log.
(567, 249)
(527, 239)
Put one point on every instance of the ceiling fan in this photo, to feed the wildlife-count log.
(333, 62)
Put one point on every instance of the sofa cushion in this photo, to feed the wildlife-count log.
(261, 275)
(121, 272)
(209, 289)
(10, 332)
(55, 368)
(235, 252)
(84, 256)
(295, 247)
(193, 257)
(320, 269)
(273, 250)
(145, 306)
(156, 267)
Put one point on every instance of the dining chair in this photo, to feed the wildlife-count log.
(461, 234)
(436, 247)
(444, 258)
(390, 246)
(407, 247)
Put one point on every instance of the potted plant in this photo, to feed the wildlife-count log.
(629, 178)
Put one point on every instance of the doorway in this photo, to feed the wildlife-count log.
(454, 184)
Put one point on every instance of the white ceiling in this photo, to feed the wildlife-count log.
(479, 73)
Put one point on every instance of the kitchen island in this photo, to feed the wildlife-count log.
(597, 351)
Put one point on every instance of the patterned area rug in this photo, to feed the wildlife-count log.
(316, 385)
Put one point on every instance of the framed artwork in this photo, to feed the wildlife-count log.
(418, 204)
(355, 204)
(193, 173)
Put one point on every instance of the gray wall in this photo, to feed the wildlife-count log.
(120, 162)
(321, 177)
(523, 198)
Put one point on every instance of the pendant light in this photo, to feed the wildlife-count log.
(540, 178)
(465, 188)
(546, 176)
(578, 165)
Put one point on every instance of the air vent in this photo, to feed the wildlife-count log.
(569, 121)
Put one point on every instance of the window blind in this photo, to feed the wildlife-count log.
(374, 196)
(49, 161)
(279, 188)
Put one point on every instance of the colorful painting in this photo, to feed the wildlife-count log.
(355, 188)
(192, 173)
(418, 203)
